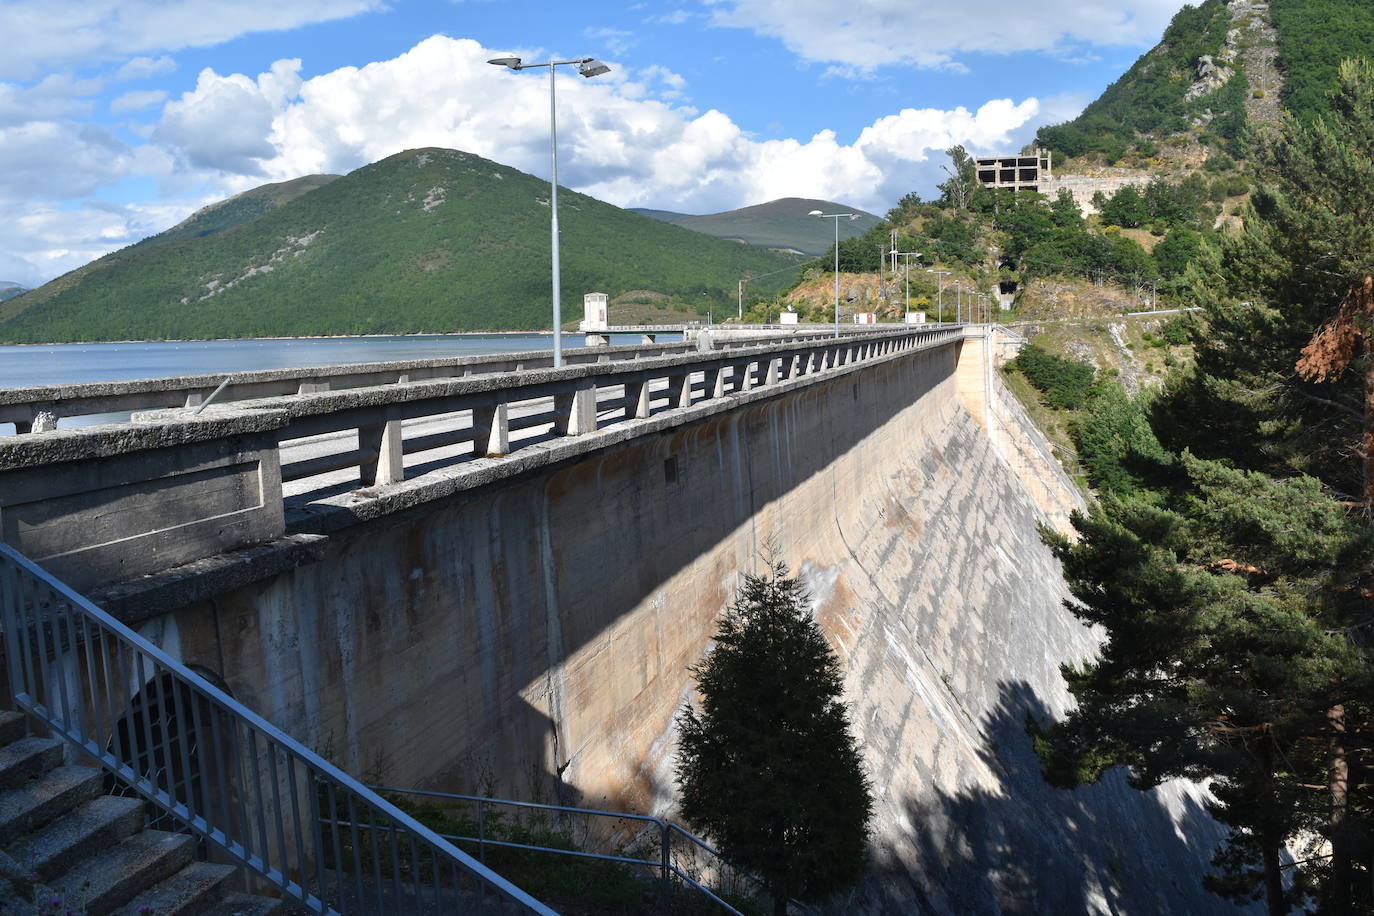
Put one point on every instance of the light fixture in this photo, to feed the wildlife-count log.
(836, 217)
(588, 67)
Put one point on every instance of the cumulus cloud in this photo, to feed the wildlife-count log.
(861, 35)
(625, 137)
(616, 142)
(49, 34)
(225, 122)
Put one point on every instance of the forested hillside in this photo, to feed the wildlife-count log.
(1229, 558)
(427, 240)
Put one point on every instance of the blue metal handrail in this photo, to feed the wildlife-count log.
(221, 771)
(666, 863)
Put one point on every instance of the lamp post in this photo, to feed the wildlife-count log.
(836, 217)
(939, 290)
(588, 67)
(906, 264)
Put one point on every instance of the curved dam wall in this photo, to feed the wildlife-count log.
(532, 638)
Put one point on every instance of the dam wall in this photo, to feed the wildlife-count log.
(532, 638)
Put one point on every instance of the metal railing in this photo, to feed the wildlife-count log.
(255, 796)
(650, 844)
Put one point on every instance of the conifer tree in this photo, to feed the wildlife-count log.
(1236, 588)
(768, 767)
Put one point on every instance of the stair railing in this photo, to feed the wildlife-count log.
(650, 844)
(253, 793)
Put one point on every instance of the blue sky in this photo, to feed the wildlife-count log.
(118, 118)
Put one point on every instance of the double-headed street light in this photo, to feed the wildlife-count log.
(939, 290)
(836, 217)
(588, 67)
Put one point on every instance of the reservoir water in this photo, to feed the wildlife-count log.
(68, 364)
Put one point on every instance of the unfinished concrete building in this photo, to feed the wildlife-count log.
(1020, 173)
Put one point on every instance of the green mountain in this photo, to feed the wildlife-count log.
(783, 223)
(426, 240)
(1219, 68)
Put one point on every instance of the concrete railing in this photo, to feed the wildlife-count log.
(104, 504)
(48, 403)
(39, 407)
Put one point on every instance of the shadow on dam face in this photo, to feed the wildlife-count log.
(533, 638)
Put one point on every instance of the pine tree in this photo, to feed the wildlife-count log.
(768, 767)
(1236, 586)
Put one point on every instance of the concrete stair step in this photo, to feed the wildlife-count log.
(91, 826)
(12, 726)
(26, 758)
(245, 905)
(112, 878)
(40, 800)
(190, 892)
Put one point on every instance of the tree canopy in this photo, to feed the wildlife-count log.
(768, 767)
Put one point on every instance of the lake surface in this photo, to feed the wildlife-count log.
(69, 364)
(66, 364)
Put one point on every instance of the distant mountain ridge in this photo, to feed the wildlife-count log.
(9, 289)
(784, 223)
(425, 240)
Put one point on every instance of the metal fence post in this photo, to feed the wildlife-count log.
(482, 831)
(665, 855)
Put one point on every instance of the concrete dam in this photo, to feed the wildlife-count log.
(522, 622)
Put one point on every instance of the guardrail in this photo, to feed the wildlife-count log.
(49, 403)
(253, 793)
(674, 855)
(110, 503)
(38, 408)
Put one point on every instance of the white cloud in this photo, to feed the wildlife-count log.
(142, 68)
(137, 101)
(49, 34)
(672, 17)
(866, 34)
(623, 138)
(617, 42)
(56, 96)
(47, 240)
(225, 122)
(616, 142)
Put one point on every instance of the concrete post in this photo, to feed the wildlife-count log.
(491, 431)
(680, 390)
(384, 440)
(597, 339)
(648, 338)
(637, 398)
(312, 386)
(576, 410)
(712, 387)
(771, 376)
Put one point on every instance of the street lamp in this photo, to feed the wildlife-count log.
(588, 67)
(836, 217)
(939, 291)
(906, 264)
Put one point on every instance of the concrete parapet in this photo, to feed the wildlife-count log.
(174, 487)
(112, 504)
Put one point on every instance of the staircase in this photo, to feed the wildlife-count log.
(68, 848)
